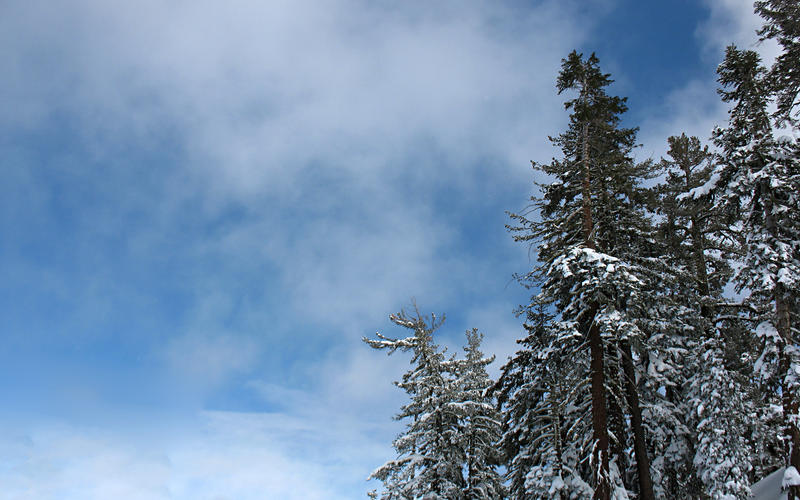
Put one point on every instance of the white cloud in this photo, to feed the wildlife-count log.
(693, 108)
(255, 91)
(215, 455)
(334, 123)
(733, 22)
(205, 360)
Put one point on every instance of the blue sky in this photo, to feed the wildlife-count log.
(205, 207)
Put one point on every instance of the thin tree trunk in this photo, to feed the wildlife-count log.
(587, 190)
(789, 398)
(558, 445)
(602, 488)
(616, 417)
(639, 444)
(700, 267)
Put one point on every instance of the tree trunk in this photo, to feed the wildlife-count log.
(639, 444)
(698, 248)
(558, 446)
(791, 433)
(616, 417)
(602, 488)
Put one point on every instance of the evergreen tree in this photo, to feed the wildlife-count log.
(430, 458)
(698, 246)
(759, 181)
(699, 240)
(546, 411)
(720, 415)
(591, 226)
(449, 448)
(480, 422)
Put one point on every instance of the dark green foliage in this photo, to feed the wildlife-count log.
(759, 179)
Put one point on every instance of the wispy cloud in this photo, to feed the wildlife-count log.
(213, 456)
(255, 91)
(695, 107)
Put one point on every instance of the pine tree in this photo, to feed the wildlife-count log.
(699, 244)
(546, 410)
(449, 448)
(589, 219)
(722, 458)
(759, 181)
(698, 237)
(480, 422)
(430, 458)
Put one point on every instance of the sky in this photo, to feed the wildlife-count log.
(205, 206)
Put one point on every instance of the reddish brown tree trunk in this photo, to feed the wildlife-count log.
(602, 488)
(639, 444)
(616, 418)
(587, 190)
(791, 433)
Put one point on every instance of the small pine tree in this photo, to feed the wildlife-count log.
(430, 458)
(480, 422)
(448, 450)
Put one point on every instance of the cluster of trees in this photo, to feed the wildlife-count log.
(448, 450)
(661, 356)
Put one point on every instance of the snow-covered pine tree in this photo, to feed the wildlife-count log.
(479, 427)
(449, 450)
(699, 240)
(721, 416)
(782, 23)
(698, 243)
(546, 412)
(759, 180)
(430, 458)
(588, 217)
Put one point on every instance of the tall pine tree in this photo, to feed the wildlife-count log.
(591, 225)
(759, 180)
